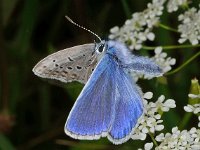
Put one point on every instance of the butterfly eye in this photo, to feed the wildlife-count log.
(101, 48)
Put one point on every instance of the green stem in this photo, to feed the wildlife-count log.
(184, 64)
(185, 120)
(169, 47)
(126, 8)
(167, 27)
(154, 141)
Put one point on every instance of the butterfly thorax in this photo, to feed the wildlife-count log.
(120, 53)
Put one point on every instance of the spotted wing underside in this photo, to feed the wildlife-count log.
(71, 64)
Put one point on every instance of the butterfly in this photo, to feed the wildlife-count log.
(110, 104)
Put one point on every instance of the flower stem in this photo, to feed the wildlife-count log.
(170, 47)
(126, 8)
(184, 64)
(167, 27)
(153, 139)
(185, 120)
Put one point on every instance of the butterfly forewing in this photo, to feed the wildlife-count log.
(71, 64)
(92, 114)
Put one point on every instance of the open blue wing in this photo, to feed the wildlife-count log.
(128, 107)
(144, 65)
(109, 105)
(92, 114)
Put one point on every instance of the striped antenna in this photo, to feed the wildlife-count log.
(70, 20)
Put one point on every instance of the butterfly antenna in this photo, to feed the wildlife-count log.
(70, 20)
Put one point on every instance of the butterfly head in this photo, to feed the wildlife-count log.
(101, 47)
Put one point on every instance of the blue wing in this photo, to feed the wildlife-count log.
(92, 114)
(144, 65)
(109, 105)
(128, 107)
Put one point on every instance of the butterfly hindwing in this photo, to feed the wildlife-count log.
(144, 65)
(132, 62)
(128, 107)
(71, 64)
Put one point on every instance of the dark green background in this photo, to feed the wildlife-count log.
(32, 111)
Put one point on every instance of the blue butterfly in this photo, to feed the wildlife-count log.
(110, 103)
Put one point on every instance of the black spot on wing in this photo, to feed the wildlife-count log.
(78, 67)
(70, 59)
(70, 68)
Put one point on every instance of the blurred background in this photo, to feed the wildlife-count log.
(33, 111)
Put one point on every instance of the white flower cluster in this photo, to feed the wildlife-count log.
(192, 108)
(161, 59)
(151, 120)
(138, 29)
(195, 108)
(190, 26)
(173, 5)
(179, 140)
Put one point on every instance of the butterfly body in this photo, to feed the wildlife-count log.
(110, 103)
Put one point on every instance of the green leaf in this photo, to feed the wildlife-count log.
(5, 144)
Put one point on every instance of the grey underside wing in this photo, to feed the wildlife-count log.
(71, 64)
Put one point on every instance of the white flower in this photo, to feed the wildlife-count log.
(188, 108)
(160, 137)
(164, 106)
(192, 108)
(179, 139)
(143, 125)
(154, 125)
(148, 146)
(194, 96)
(138, 135)
(148, 95)
(173, 5)
(190, 26)
(151, 120)
(151, 36)
(162, 60)
(138, 29)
